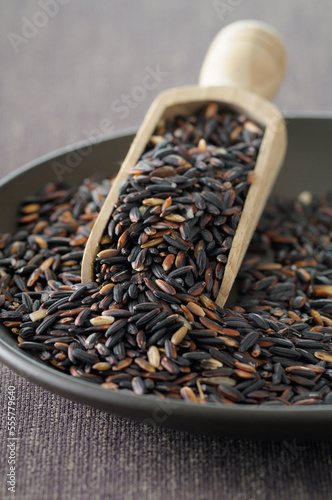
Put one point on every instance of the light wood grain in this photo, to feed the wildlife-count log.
(188, 99)
(246, 54)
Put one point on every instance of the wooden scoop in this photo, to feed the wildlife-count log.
(243, 67)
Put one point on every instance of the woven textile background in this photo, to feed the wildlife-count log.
(70, 451)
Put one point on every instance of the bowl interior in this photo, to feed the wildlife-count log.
(306, 166)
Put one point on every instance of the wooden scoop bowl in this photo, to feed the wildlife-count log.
(242, 69)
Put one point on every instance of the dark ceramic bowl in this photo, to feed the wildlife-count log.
(307, 167)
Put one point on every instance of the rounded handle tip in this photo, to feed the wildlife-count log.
(246, 54)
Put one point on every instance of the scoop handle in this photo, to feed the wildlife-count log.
(246, 54)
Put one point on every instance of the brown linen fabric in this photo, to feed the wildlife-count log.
(69, 451)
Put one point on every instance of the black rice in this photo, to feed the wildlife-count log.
(148, 323)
